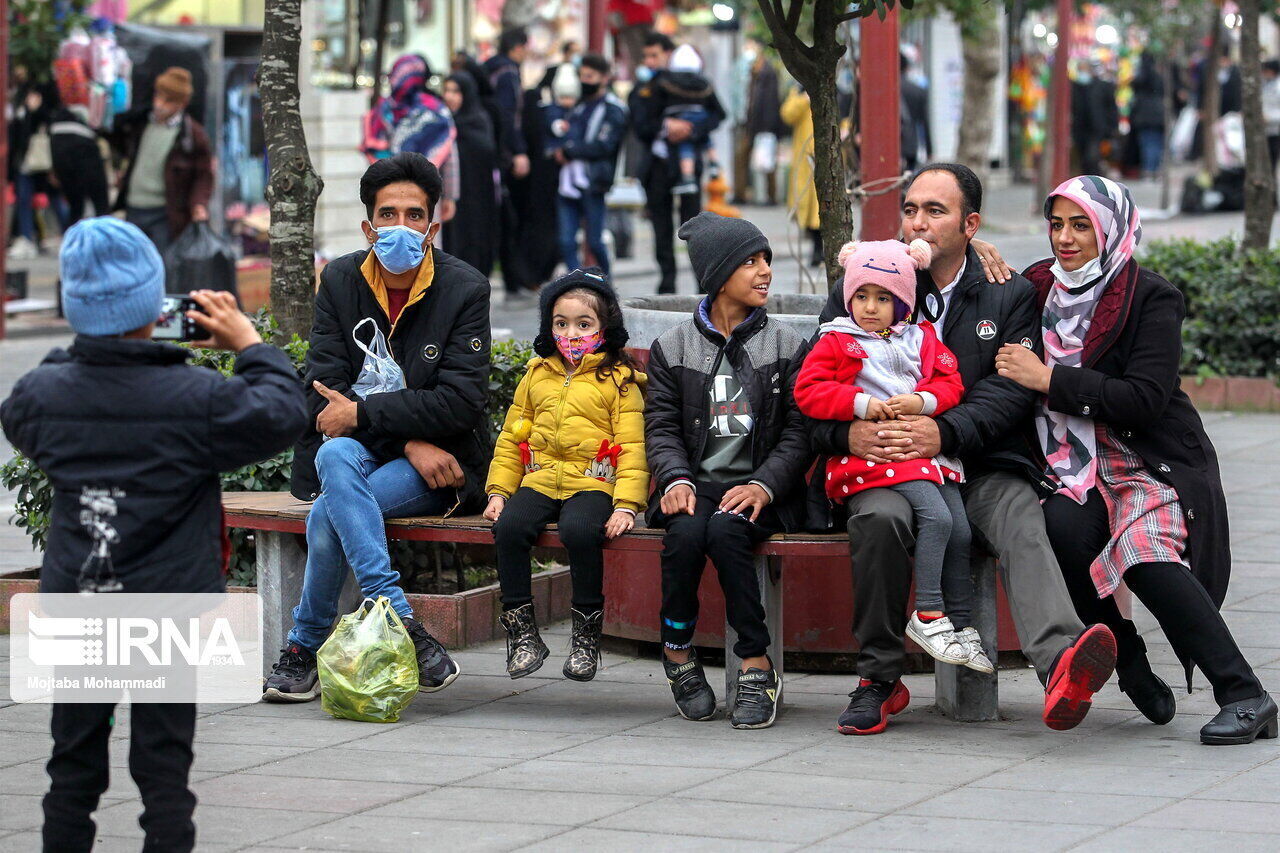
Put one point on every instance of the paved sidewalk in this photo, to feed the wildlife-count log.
(545, 763)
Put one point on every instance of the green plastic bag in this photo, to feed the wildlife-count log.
(368, 667)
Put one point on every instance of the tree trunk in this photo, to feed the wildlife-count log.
(1259, 182)
(814, 68)
(293, 185)
(1212, 99)
(980, 48)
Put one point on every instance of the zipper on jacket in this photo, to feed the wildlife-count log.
(564, 395)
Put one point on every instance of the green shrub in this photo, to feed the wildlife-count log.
(1233, 305)
(35, 496)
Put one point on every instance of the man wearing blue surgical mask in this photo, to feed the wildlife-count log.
(395, 448)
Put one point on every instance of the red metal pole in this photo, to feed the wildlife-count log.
(1061, 127)
(879, 123)
(4, 160)
(595, 25)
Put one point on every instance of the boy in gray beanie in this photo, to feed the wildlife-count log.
(133, 440)
(733, 476)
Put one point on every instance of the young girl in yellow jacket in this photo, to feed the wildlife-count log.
(571, 451)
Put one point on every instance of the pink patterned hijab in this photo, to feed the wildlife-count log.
(1068, 441)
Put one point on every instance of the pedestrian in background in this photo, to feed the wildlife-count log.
(802, 192)
(169, 178)
(504, 76)
(1146, 114)
(589, 159)
(760, 127)
(472, 235)
(1271, 107)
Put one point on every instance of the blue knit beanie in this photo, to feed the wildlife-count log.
(112, 277)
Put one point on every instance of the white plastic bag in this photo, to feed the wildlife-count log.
(1183, 135)
(380, 374)
(764, 152)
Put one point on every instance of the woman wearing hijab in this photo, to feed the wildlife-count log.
(472, 235)
(414, 118)
(1139, 492)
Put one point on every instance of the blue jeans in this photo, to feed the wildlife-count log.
(1151, 148)
(345, 527)
(591, 208)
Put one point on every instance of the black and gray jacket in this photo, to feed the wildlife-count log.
(766, 356)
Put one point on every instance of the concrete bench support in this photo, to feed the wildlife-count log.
(281, 564)
(964, 694)
(769, 577)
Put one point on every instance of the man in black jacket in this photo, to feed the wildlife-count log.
(1003, 488)
(123, 424)
(382, 451)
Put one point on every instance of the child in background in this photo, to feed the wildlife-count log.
(565, 91)
(571, 451)
(876, 364)
(686, 95)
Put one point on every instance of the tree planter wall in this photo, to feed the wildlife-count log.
(1232, 393)
(463, 619)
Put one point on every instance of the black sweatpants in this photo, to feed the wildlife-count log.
(728, 539)
(661, 205)
(1179, 602)
(81, 175)
(159, 762)
(580, 520)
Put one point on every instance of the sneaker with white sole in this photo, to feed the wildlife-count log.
(972, 641)
(938, 639)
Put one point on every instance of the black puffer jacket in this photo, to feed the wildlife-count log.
(986, 430)
(133, 439)
(441, 342)
(766, 357)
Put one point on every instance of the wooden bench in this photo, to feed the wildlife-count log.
(277, 518)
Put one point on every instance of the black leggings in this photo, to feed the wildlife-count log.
(580, 521)
(1179, 602)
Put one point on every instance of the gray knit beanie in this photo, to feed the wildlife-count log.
(718, 245)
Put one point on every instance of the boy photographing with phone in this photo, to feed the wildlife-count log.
(122, 414)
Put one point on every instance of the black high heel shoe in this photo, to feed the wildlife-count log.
(1147, 691)
(1242, 722)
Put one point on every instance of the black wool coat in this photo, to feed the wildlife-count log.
(441, 342)
(1129, 381)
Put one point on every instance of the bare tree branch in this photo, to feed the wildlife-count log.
(793, 14)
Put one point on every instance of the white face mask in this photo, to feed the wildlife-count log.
(1076, 278)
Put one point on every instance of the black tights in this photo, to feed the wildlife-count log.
(1179, 602)
(580, 521)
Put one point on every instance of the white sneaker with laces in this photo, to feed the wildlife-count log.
(938, 639)
(972, 640)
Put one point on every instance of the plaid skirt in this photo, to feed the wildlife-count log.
(1147, 524)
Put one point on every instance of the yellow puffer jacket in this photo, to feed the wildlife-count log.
(581, 432)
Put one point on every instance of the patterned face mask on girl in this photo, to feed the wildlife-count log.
(573, 349)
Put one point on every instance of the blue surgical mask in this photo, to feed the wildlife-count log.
(644, 74)
(399, 248)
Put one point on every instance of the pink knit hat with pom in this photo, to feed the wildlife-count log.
(888, 263)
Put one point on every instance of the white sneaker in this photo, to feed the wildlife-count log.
(972, 640)
(938, 639)
(22, 249)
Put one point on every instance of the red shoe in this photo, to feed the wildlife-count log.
(1080, 672)
(871, 705)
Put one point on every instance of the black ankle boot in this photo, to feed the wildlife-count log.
(1242, 722)
(584, 646)
(525, 649)
(1147, 691)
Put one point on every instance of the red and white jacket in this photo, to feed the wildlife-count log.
(849, 366)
